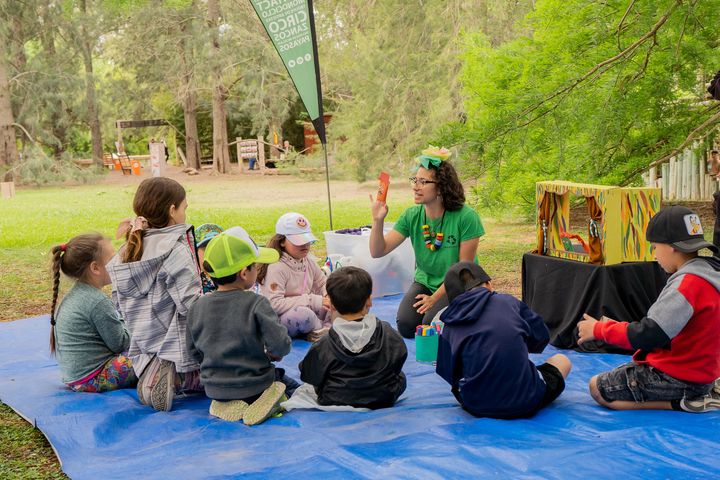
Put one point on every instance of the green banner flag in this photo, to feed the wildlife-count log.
(291, 27)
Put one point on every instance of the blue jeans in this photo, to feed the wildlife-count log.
(290, 384)
(643, 383)
(716, 230)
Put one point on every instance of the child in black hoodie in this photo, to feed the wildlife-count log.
(359, 363)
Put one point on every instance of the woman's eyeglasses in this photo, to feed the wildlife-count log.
(420, 181)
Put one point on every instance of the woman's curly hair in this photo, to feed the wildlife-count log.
(449, 185)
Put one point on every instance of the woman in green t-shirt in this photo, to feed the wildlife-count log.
(442, 230)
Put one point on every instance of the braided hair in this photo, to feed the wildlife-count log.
(72, 258)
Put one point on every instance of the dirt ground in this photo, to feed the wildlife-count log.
(254, 185)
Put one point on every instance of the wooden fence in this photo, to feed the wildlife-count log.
(684, 177)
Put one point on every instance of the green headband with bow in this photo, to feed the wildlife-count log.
(433, 156)
(426, 161)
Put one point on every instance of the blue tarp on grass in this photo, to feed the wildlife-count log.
(425, 436)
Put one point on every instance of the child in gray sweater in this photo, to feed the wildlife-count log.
(234, 334)
(87, 335)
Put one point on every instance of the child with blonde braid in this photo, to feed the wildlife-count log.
(87, 335)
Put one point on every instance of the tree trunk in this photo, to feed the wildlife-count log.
(221, 153)
(189, 104)
(8, 146)
(92, 106)
(55, 121)
(192, 145)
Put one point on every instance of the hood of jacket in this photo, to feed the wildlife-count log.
(707, 268)
(467, 307)
(354, 335)
(136, 279)
(360, 349)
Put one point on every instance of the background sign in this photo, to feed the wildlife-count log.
(291, 27)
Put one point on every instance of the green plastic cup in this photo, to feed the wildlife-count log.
(426, 348)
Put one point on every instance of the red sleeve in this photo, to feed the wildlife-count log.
(613, 332)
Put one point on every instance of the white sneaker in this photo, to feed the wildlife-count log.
(707, 403)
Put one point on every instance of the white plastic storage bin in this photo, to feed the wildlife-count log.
(391, 274)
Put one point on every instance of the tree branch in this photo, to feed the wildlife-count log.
(690, 138)
(647, 59)
(14, 79)
(608, 61)
(622, 20)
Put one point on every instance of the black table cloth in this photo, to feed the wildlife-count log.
(561, 291)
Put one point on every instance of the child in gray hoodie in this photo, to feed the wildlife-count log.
(155, 279)
(359, 362)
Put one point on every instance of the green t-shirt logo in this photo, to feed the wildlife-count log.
(451, 240)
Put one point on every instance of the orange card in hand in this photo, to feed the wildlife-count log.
(384, 179)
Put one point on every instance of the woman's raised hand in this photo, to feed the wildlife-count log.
(379, 209)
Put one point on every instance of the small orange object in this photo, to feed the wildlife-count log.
(384, 179)
(584, 245)
(135, 164)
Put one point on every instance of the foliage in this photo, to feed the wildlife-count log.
(393, 72)
(37, 168)
(521, 100)
(548, 106)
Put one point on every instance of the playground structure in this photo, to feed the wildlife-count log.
(253, 150)
(616, 227)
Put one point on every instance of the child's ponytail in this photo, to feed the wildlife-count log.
(151, 204)
(56, 260)
(133, 247)
(71, 258)
(276, 243)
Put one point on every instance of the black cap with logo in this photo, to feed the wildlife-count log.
(680, 227)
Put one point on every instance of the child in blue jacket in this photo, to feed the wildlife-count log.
(484, 346)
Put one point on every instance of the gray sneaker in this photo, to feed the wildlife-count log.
(147, 380)
(163, 392)
(707, 403)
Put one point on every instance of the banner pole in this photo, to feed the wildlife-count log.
(327, 183)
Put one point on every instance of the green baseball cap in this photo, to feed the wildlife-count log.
(231, 251)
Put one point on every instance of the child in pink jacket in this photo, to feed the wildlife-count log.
(295, 285)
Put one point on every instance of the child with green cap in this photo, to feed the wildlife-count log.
(234, 334)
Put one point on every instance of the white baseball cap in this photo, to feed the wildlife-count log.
(296, 228)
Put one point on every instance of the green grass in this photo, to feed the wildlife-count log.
(24, 452)
(38, 218)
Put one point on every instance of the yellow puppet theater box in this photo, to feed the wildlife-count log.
(617, 219)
